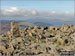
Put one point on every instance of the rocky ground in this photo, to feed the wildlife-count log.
(37, 41)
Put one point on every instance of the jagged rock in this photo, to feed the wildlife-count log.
(38, 41)
(40, 36)
(65, 27)
(30, 34)
(33, 34)
(48, 49)
(59, 41)
(8, 33)
(53, 28)
(47, 34)
(35, 27)
(3, 35)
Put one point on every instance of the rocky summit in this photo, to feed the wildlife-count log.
(37, 41)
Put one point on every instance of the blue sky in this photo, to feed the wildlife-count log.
(24, 10)
(41, 5)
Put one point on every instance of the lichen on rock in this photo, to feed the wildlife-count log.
(38, 41)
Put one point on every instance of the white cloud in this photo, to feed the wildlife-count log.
(11, 9)
(53, 12)
(14, 11)
(67, 12)
(34, 12)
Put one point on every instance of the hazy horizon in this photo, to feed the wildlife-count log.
(37, 10)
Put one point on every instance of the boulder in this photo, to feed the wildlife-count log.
(60, 41)
(66, 27)
(53, 28)
(30, 34)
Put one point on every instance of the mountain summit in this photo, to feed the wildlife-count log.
(45, 41)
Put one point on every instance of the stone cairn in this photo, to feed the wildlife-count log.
(14, 29)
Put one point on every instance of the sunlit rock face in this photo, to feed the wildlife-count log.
(38, 41)
(53, 28)
(66, 27)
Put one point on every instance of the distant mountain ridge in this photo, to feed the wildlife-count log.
(56, 22)
(27, 24)
(24, 23)
(42, 24)
(33, 22)
(5, 24)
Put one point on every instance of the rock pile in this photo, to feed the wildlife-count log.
(14, 29)
(38, 41)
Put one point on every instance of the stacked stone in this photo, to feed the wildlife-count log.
(14, 29)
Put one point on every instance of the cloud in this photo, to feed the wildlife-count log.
(22, 12)
(9, 11)
(34, 12)
(12, 9)
(53, 12)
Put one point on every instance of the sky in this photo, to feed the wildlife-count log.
(41, 5)
(63, 10)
